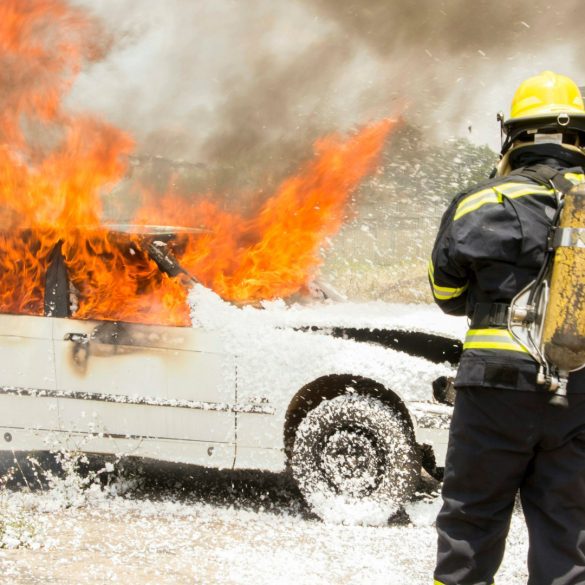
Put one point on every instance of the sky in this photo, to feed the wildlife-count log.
(254, 82)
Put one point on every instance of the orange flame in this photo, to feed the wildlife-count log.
(276, 253)
(54, 166)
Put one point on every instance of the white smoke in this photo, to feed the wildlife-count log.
(252, 83)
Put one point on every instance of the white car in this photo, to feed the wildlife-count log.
(341, 394)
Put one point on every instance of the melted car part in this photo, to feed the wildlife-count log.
(154, 241)
(164, 259)
(160, 253)
(56, 298)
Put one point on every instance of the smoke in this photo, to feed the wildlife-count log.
(453, 27)
(246, 86)
(456, 60)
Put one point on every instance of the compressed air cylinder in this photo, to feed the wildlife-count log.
(564, 323)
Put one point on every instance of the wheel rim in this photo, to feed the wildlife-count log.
(351, 461)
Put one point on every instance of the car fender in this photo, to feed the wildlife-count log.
(294, 360)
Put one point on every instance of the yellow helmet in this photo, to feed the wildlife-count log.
(544, 95)
(549, 103)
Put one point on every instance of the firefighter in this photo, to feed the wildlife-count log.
(506, 438)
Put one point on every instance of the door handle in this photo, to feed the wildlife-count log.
(81, 338)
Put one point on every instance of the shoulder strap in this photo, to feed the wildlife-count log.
(547, 176)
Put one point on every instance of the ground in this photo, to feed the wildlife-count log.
(175, 526)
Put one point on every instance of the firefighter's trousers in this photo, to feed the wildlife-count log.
(503, 442)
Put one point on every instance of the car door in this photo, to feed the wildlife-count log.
(165, 392)
(28, 404)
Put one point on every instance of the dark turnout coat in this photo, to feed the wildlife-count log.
(490, 245)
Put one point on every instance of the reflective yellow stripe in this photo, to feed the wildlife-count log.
(529, 191)
(441, 583)
(447, 296)
(575, 178)
(474, 197)
(467, 208)
(444, 293)
(496, 194)
(492, 339)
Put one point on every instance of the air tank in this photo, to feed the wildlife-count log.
(563, 338)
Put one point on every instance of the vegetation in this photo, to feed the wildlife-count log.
(382, 252)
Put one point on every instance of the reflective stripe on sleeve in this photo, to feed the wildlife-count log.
(496, 194)
(492, 339)
(444, 293)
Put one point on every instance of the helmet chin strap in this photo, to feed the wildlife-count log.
(503, 167)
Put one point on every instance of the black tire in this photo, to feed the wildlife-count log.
(354, 460)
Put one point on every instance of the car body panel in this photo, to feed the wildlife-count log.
(311, 356)
(214, 394)
(26, 350)
(27, 366)
(148, 369)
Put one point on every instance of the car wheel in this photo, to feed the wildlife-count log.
(354, 460)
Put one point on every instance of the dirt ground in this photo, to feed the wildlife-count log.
(218, 528)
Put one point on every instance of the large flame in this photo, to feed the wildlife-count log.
(54, 167)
